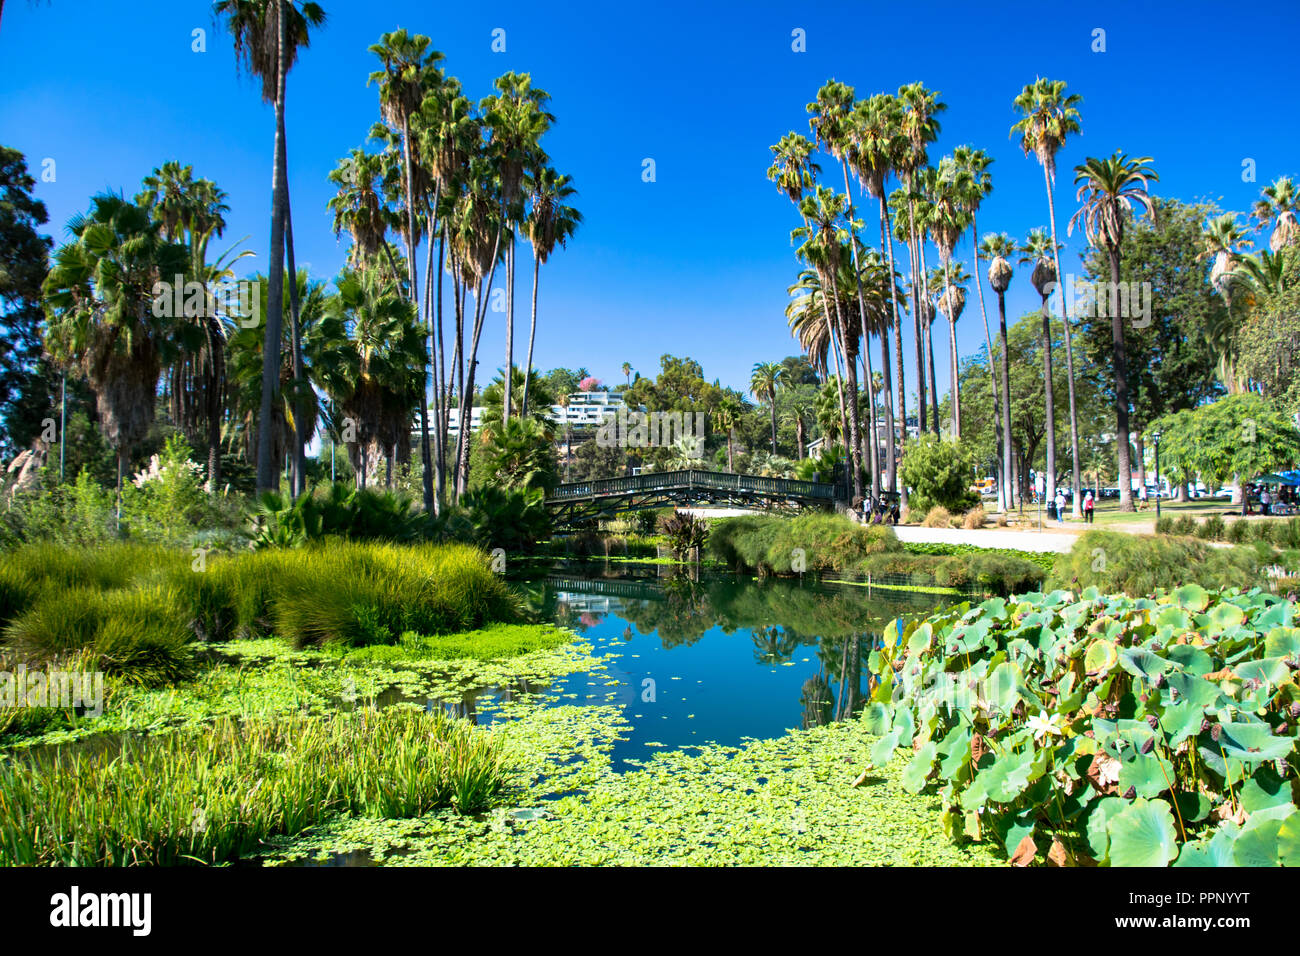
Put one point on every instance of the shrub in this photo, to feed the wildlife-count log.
(1115, 561)
(974, 519)
(829, 542)
(1212, 528)
(1100, 740)
(1164, 525)
(1261, 530)
(1237, 532)
(1287, 533)
(937, 517)
(996, 572)
(938, 470)
(685, 533)
(1183, 525)
(188, 797)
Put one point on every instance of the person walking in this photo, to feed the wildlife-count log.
(1060, 505)
(1087, 507)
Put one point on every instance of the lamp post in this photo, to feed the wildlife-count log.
(1156, 436)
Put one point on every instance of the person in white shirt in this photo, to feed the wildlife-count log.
(1060, 506)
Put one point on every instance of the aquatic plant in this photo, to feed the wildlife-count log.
(1134, 731)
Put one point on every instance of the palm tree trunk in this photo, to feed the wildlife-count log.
(267, 478)
(532, 332)
(771, 405)
(929, 338)
(993, 382)
(467, 396)
(887, 241)
(431, 372)
(865, 332)
(1007, 461)
(442, 396)
(851, 367)
(298, 485)
(1049, 479)
(1075, 484)
(916, 317)
(1119, 357)
(510, 327)
(952, 350)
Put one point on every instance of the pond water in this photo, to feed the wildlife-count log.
(713, 658)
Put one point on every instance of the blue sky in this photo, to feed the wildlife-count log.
(697, 262)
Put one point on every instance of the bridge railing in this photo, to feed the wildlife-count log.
(691, 480)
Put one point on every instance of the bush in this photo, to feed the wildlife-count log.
(1261, 530)
(685, 533)
(769, 543)
(1237, 532)
(1212, 528)
(974, 519)
(1115, 561)
(1183, 525)
(937, 517)
(996, 572)
(938, 471)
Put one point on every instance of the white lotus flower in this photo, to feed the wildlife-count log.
(1046, 726)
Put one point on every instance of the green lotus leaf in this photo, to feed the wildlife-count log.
(884, 749)
(1271, 671)
(1288, 840)
(1254, 742)
(1223, 617)
(876, 719)
(1150, 775)
(1101, 657)
(1192, 689)
(1282, 642)
(1216, 851)
(918, 770)
(1191, 659)
(1193, 597)
(1258, 844)
(1143, 834)
(1140, 662)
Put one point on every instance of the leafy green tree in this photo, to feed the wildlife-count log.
(939, 472)
(1239, 437)
(27, 381)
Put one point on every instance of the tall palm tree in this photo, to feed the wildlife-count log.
(1277, 206)
(831, 122)
(551, 222)
(919, 126)
(948, 218)
(516, 120)
(998, 247)
(952, 302)
(1224, 241)
(1110, 190)
(267, 36)
(1048, 118)
(99, 303)
(1038, 250)
(627, 373)
(878, 142)
(764, 381)
(728, 414)
(978, 183)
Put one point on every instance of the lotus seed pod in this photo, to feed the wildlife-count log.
(1157, 681)
(1216, 732)
(1148, 745)
(1131, 793)
(1205, 725)
(1151, 720)
(1295, 709)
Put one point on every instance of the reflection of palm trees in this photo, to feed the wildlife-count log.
(842, 659)
(773, 645)
(817, 702)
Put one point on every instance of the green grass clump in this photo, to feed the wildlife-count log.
(213, 795)
(768, 543)
(1136, 565)
(1237, 532)
(1000, 573)
(493, 643)
(1212, 528)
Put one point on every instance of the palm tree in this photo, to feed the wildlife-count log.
(1049, 116)
(764, 382)
(918, 127)
(1224, 240)
(951, 303)
(103, 318)
(978, 184)
(831, 122)
(948, 219)
(1109, 191)
(627, 373)
(1277, 206)
(998, 247)
(1038, 250)
(516, 120)
(551, 221)
(878, 143)
(728, 414)
(267, 36)
(564, 403)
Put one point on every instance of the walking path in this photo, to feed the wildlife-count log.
(1054, 542)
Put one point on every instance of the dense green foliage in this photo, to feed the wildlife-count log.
(1138, 564)
(137, 608)
(1136, 732)
(214, 794)
(939, 472)
(808, 542)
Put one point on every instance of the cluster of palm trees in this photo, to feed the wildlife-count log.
(467, 179)
(848, 293)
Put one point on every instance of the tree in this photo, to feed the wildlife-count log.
(551, 222)
(99, 302)
(1049, 117)
(1277, 206)
(267, 36)
(763, 383)
(1109, 191)
(1038, 249)
(938, 471)
(27, 380)
(998, 247)
(1239, 437)
(728, 415)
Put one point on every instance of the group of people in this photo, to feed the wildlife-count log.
(1056, 508)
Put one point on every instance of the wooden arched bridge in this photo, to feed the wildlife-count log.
(577, 502)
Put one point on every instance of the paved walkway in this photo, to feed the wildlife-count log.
(1054, 542)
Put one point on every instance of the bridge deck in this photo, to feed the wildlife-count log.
(604, 497)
